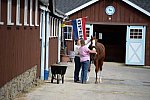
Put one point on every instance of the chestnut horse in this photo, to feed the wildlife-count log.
(98, 58)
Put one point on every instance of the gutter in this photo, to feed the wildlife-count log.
(58, 12)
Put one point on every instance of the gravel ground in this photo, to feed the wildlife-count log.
(120, 82)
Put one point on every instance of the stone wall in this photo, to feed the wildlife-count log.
(18, 84)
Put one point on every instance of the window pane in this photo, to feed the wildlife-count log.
(136, 30)
(140, 30)
(87, 32)
(65, 29)
(69, 29)
(65, 35)
(132, 30)
(69, 35)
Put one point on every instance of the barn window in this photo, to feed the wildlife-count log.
(136, 34)
(68, 32)
(9, 13)
(31, 10)
(87, 32)
(36, 13)
(18, 13)
(26, 13)
(1, 23)
(54, 27)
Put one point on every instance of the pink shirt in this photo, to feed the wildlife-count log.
(84, 54)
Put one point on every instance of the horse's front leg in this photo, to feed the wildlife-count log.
(100, 76)
(100, 71)
(96, 78)
(96, 70)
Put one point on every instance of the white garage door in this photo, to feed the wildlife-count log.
(135, 45)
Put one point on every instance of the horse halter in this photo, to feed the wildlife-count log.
(93, 44)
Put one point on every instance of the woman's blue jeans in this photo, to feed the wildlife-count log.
(84, 71)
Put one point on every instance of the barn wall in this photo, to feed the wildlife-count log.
(53, 50)
(124, 15)
(19, 46)
(69, 44)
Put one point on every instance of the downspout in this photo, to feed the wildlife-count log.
(47, 40)
(59, 40)
(42, 23)
(44, 29)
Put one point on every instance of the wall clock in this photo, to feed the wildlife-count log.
(110, 10)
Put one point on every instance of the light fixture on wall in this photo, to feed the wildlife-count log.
(109, 18)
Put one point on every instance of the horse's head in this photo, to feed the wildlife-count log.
(92, 46)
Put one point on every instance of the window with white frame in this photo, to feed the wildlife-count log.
(51, 26)
(67, 30)
(9, 13)
(1, 23)
(18, 13)
(26, 13)
(54, 27)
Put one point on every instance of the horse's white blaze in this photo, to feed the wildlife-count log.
(93, 42)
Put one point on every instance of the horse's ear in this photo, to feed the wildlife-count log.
(91, 37)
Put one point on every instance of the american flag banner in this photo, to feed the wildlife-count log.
(79, 28)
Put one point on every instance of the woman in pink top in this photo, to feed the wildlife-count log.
(84, 53)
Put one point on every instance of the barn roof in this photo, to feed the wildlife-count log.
(71, 6)
(52, 7)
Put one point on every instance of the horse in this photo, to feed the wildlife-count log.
(98, 58)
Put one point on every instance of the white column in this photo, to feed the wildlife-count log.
(42, 44)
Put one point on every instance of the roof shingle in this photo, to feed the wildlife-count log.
(68, 5)
(145, 4)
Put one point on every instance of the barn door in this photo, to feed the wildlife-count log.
(135, 45)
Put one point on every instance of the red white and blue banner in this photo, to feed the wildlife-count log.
(79, 28)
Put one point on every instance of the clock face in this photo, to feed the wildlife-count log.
(110, 10)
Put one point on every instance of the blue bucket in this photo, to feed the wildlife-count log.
(46, 74)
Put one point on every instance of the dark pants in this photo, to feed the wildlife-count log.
(77, 68)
